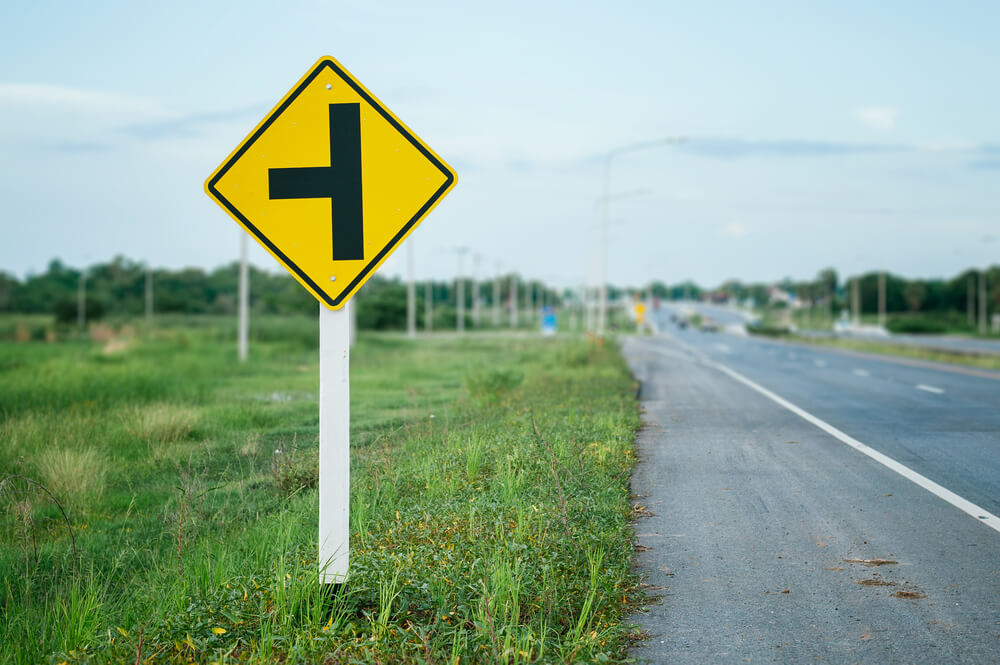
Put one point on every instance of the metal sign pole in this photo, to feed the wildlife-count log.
(334, 443)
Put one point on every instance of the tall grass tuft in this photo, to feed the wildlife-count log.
(76, 476)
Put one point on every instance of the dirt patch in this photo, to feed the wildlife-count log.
(909, 595)
(875, 582)
(871, 563)
(835, 569)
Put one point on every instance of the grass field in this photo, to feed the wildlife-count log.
(159, 501)
(968, 358)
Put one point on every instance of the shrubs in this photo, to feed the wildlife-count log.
(916, 325)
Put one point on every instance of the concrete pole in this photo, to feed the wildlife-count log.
(460, 296)
(428, 306)
(513, 301)
(881, 298)
(496, 298)
(531, 296)
(81, 300)
(971, 302)
(982, 302)
(334, 443)
(149, 296)
(475, 290)
(856, 300)
(411, 294)
(243, 342)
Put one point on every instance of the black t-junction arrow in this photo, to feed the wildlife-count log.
(340, 182)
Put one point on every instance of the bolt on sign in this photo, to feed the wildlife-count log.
(330, 182)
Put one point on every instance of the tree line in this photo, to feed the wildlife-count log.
(117, 289)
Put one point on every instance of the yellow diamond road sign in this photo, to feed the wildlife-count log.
(330, 182)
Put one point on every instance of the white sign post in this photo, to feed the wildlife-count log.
(334, 443)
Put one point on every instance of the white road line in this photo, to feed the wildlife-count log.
(861, 372)
(820, 363)
(964, 505)
(930, 389)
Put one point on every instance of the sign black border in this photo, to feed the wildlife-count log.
(449, 180)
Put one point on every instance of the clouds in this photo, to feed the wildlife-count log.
(878, 118)
(72, 100)
(736, 230)
(733, 148)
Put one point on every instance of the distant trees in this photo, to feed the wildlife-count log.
(117, 289)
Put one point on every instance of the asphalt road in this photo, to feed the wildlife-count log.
(762, 520)
(728, 316)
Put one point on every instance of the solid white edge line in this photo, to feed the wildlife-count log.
(983, 516)
(930, 389)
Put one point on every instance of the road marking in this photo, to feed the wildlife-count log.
(966, 506)
(861, 372)
(930, 389)
(820, 363)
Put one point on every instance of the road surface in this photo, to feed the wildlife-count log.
(731, 316)
(777, 475)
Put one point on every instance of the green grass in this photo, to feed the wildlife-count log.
(490, 519)
(968, 358)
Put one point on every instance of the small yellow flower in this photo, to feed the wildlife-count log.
(218, 631)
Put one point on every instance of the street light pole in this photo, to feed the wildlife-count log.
(149, 296)
(81, 299)
(603, 285)
(496, 297)
(428, 306)
(513, 301)
(411, 294)
(476, 258)
(881, 298)
(460, 292)
(982, 302)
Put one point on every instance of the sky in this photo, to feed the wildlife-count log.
(858, 135)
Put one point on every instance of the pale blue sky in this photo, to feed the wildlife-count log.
(818, 134)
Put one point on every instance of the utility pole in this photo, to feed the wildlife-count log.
(460, 292)
(982, 302)
(149, 296)
(81, 299)
(428, 306)
(881, 298)
(244, 301)
(513, 301)
(476, 258)
(411, 294)
(496, 298)
(530, 298)
(971, 301)
(856, 300)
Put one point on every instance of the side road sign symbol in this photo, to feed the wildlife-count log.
(330, 182)
(340, 182)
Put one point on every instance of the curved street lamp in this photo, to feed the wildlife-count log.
(608, 159)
